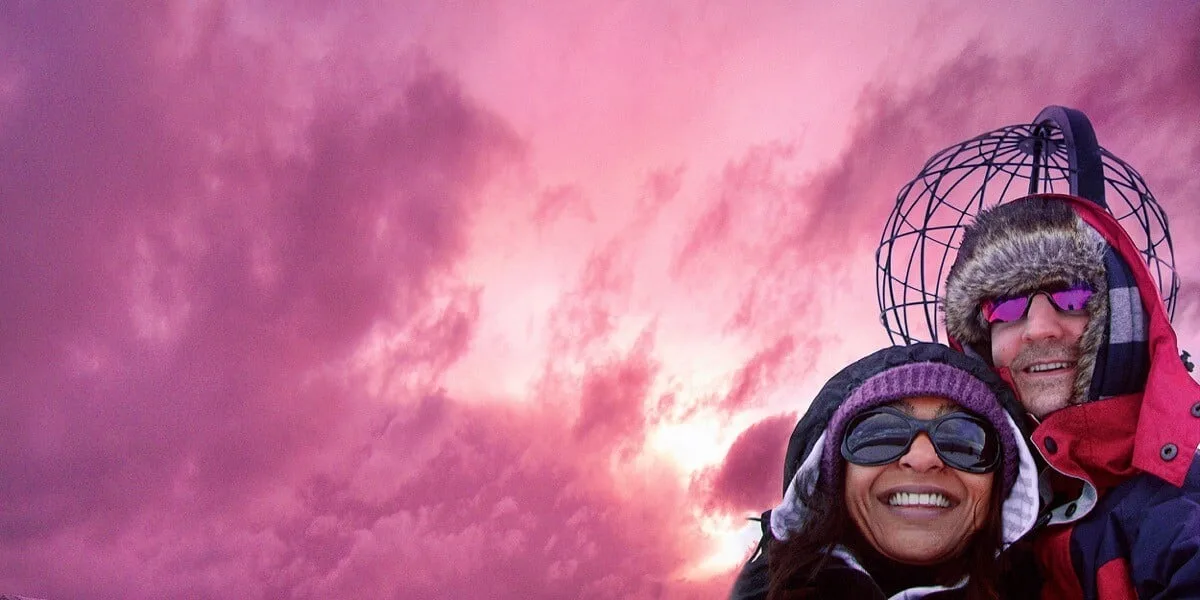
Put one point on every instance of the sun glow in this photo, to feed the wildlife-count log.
(693, 445)
(732, 539)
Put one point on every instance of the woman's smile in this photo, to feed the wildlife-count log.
(916, 496)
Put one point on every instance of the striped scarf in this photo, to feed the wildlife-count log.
(1123, 358)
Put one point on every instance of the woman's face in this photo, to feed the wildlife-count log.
(917, 510)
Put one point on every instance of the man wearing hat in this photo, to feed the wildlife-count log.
(1052, 292)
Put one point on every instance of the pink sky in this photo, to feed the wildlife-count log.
(458, 300)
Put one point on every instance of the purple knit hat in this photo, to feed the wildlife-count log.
(920, 379)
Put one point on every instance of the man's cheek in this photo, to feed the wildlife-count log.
(1002, 350)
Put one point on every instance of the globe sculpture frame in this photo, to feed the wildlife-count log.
(1057, 153)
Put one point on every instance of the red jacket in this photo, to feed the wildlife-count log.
(1135, 528)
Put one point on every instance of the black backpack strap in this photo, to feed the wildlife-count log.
(764, 522)
(752, 581)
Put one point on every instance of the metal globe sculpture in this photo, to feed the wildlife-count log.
(1058, 153)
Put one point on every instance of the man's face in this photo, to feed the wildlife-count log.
(1042, 353)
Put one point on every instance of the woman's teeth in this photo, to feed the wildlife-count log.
(909, 499)
(1049, 367)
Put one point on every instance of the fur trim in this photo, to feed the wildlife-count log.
(1019, 247)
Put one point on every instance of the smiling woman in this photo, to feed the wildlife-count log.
(907, 476)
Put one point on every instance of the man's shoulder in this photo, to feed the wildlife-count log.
(1149, 483)
(1141, 498)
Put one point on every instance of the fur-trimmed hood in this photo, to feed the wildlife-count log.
(1024, 245)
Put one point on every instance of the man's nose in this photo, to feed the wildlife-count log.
(1042, 321)
(921, 456)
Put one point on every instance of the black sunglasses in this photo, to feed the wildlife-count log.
(882, 435)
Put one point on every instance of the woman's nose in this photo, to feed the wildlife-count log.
(921, 455)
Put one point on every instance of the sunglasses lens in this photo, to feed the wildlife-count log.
(877, 438)
(1072, 299)
(1006, 309)
(962, 441)
(967, 444)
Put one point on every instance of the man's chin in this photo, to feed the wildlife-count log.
(1042, 406)
(1041, 400)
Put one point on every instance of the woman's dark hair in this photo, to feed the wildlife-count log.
(794, 563)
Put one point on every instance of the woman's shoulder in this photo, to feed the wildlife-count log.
(837, 580)
(834, 581)
(840, 580)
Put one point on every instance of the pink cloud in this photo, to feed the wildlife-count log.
(184, 277)
(231, 258)
(504, 497)
(751, 477)
(758, 374)
(612, 403)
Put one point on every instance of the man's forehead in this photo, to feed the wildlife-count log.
(1053, 285)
